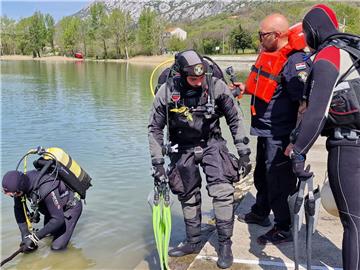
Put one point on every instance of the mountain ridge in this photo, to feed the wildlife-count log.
(175, 10)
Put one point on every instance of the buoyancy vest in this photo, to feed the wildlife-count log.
(344, 110)
(265, 73)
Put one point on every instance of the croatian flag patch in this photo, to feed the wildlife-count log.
(300, 66)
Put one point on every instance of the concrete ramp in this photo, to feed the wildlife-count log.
(248, 254)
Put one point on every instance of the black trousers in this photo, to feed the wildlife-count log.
(344, 178)
(273, 179)
(185, 181)
(62, 236)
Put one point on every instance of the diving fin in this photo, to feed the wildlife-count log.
(296, 207)
(160, 202)
(312, 209)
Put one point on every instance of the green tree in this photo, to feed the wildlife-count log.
(99, 25)
(348, 15)
(120, 23)
(50, 31)
(209, 45)
(240, 39)
(148, 31)
(128, 34)
(23, 35)
(116, 22)
(8, 35)
(69, 27)
(176, 44)
(84, 30)
(37, 33)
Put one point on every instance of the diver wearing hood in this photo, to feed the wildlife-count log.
(333, 111)
(191, 104)
(58, 204)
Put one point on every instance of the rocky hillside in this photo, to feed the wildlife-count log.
(176, 10)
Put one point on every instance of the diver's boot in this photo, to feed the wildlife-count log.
(225, 231)
(225, 256)
(185, 248)
(191, 245)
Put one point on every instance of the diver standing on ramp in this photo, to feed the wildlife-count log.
(190, 104)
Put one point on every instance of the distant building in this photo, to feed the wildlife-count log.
(177, 32)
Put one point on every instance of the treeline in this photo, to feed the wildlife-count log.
(116, 35)
(104, 35)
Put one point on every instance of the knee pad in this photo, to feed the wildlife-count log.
(223, 200)
(191, 207)
(221, 191)
(57, 247)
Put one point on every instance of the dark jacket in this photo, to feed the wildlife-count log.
(186, 131)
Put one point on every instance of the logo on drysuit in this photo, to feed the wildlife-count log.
(303, 76)
(55, 200)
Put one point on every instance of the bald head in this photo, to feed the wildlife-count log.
(273, 32)
(275, 22)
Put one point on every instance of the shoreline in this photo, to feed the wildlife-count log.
(137, 59)
(143, 60)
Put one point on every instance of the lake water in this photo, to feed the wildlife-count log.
(98, 113)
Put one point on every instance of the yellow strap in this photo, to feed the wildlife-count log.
(183, 110)
(23, 200)
(25, 164)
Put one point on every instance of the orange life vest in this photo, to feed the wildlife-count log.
(264, 76)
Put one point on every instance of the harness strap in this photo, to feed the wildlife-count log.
(266, 74)
(29, 225)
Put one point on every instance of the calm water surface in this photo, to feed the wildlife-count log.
(98, 113)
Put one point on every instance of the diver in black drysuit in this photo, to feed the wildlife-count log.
(343, 141)
(61, 209)
(200, 143)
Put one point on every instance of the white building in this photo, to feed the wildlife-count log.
(177, 32)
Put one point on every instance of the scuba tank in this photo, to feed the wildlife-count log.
(53, 161)
(75, 177)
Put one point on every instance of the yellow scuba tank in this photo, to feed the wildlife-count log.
(70, 172)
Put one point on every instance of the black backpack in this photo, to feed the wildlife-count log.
(344, 108)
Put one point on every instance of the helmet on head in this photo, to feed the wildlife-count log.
(319, 24)
(15, 181)
(189, 63)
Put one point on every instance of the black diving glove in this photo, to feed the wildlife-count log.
(30, 243)
(159, 174)
(298, 166)
(244, 164)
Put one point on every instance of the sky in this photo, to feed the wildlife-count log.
(56, 8)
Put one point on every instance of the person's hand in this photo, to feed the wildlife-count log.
(30, 243)
(298, 166)
(159, 174)
(244, 165)
(237, 89)
(289, 149)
